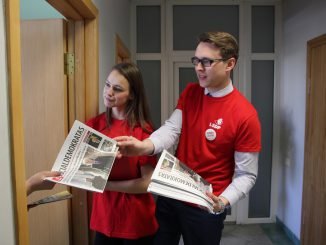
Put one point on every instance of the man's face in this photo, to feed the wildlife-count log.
(217, 76)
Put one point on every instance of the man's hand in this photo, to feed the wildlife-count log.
(130, 146)
(220, 202)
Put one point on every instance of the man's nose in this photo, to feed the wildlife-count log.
(199, 66)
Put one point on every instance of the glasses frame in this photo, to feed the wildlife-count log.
(205, 62)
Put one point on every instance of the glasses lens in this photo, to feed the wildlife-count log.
(206, 62)
(195, 61)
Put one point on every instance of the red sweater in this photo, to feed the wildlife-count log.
(233, 125)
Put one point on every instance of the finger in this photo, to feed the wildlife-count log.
(211, 195)
(126, 143)
(121, 138)
(119, 155)
(55, 173)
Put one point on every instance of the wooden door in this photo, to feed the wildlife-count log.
(313, 223)
(43, 43)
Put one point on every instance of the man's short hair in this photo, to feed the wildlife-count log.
(227, 43)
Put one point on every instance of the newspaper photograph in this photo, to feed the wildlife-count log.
(173, 179)
(85, 159)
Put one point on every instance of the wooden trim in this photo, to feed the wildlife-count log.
(87, 106)
(85, 7)
(122, 52)
(16, 120)
(83, 89)
(79, 203)
(91, 64)
(312, 224)
(65, 9)
(71, 78)
(79, 45)
(75, 9)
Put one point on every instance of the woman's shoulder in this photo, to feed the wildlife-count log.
(143, 132)
(97, 122)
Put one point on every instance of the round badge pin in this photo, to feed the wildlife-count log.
(210, 134)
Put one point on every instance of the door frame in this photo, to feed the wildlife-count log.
(82, 104)
(122, 52)
(312, 227)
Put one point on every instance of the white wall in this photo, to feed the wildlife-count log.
(114, 18)
(7, 233)
(38, 9)
(302, 21)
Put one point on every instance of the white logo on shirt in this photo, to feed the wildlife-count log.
(217, 124)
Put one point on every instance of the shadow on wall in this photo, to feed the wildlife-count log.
(286, 138)
(287, 153)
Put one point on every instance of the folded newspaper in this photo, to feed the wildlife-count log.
(173, 179)
(85, 159)
(63, 195)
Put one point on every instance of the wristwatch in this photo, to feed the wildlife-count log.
(221, 205)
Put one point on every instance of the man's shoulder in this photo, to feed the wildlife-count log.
(242, 103)
(193, 88)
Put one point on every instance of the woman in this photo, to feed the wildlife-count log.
(125, 212)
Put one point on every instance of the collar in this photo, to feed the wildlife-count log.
(220, 93)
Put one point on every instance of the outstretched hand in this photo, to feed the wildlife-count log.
(130, 146)
(38, 182)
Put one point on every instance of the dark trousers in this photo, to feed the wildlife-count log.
(101, 239)
(197, 226)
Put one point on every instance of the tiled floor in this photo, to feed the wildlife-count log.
(257, 234)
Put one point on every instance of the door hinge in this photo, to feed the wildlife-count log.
(69, 60)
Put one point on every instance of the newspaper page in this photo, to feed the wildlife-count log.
(173, 179)
(85, 159)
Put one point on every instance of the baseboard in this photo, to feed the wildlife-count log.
(287, 231)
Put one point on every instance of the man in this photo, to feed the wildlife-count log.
(219, 138)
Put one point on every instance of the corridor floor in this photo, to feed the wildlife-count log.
(256, 234)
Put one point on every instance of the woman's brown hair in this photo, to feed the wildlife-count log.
(137, 110)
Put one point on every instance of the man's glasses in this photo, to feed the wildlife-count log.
(204, 61)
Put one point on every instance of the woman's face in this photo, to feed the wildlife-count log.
(116, 93)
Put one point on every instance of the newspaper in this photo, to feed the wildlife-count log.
(85, 159)
(173, 179)
(63, 195)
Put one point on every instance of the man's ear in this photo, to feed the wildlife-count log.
(230, 64)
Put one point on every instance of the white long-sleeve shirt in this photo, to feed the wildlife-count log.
(246, 163)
